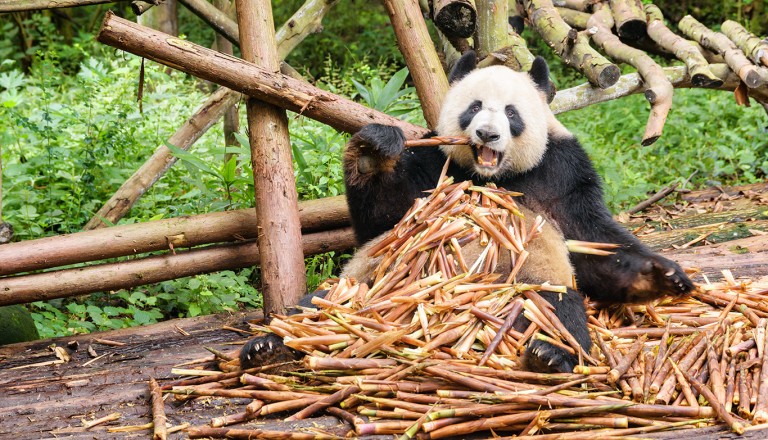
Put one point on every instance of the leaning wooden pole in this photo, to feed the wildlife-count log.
(155, 167)
(158, 235)
(139, 272)
(247, 78)
(307, 20)
(420, 56)
(283, 275)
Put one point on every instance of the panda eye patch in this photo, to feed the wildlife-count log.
(465, 118)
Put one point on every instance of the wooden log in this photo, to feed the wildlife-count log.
(570, 45)
(658, 89)
(754, 47)
(35, 5)
(493, 25)
(719, 43)
(112, 276)
(162, 159)
(455, 18)
(231, 121)
(420, 55)
(139, 238)
(249, 79)
(585, 95)
(283, 278)
(575, 19)
(629, 18)
(684, 50)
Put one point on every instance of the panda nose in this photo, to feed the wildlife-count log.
(487, 135)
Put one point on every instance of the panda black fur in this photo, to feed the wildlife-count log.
(520, 146)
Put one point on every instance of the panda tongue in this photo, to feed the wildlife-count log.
(487, 157)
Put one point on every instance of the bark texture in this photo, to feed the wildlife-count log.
(34, 5)
(658, 89)
(455, 18)
(571, 46)
(629, 18)
(277, 221)
(420, 55)
(684, 50)
(719, 43)
(754, 47)
(123, 275)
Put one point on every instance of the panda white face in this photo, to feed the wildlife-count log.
(504, 114)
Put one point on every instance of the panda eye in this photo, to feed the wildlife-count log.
(475, 108)
(510, 113)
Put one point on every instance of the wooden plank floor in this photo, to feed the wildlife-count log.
(50, 401)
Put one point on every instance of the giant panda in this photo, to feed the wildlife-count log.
(518, 144)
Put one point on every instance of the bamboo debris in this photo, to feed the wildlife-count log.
(426, 351)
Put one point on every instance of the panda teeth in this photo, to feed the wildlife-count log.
(487, 157)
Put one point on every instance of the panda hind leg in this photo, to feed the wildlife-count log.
(541, 356)
(270, 349)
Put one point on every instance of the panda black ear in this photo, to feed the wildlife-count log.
(466, 64)
(540, 74)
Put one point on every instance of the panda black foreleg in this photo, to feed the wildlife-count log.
(542, 356)
(270, 349)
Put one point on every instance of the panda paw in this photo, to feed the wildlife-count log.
(266, 350)
(543, 357)
(386, 140)
(658, 277)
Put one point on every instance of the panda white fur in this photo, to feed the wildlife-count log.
(518, 145)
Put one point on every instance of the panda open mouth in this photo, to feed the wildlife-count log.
(487, 157)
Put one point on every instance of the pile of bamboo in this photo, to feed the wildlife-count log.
(429, 351)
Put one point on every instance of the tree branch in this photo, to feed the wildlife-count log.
(719, 43)
(698, 67)
(283, 277)
(629, 18)
(573, 48)
(658, 89)
(753, 46)
(34, 5)
(420, 55)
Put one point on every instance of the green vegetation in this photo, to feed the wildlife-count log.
(71, 132)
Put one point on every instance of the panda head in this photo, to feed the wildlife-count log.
(504, 113)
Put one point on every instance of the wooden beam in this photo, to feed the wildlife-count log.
(34, 5)
(247, 78)
(126, 274)
(283, 279)
(135, 239)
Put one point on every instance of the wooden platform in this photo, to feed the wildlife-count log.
(51, 401)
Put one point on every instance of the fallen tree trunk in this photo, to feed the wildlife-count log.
(274, 88)
(155, 167)
(139, 238)
(34, 5)
(112, 276)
